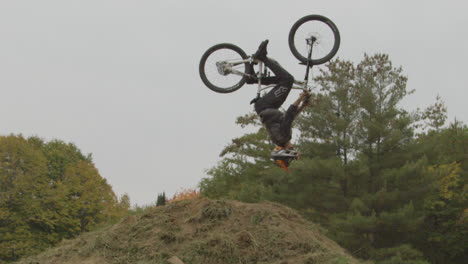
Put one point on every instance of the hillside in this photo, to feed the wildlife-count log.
(203, 231)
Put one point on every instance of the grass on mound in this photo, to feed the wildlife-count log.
(203, 231)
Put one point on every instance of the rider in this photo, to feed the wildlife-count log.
(277, 123)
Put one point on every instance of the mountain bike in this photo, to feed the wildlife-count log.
(313, 40)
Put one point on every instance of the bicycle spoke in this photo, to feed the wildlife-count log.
(324, 39)
(227, 79)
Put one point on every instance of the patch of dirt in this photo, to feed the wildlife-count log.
(203, 231)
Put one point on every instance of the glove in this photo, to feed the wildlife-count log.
(255, 99)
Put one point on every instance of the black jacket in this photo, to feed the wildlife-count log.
(279, 124)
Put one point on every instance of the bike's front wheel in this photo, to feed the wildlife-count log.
(223, 68)
(325, 35)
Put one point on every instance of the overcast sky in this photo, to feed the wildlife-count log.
(120, 78)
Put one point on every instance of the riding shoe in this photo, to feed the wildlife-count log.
(261, 51)
(283, 154)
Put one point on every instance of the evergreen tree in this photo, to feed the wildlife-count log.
(331, 119)
(328, 127)
(383, 128)
(161, 200)
(243, 172)
(382, 191)
(435, 115)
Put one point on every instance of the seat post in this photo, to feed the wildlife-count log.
(259, 76)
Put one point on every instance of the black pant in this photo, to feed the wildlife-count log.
(276, 96)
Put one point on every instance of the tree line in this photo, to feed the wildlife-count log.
(388, 184)
(49, 191)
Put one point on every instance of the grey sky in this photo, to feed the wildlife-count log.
(120, 78)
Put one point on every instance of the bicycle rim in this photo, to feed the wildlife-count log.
(222, 82)
(326, 35)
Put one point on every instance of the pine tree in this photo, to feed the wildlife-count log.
(382, 191)
(328, 127)
(435, 115)
(359, 119)
(331, 119)
(161, 200)
(383, 128)
(243, 173)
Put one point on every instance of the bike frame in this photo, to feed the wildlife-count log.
(225, 68)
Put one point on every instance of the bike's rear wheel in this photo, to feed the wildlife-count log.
(323, 30)
(223, 79)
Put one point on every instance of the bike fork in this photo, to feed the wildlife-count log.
(310, 42)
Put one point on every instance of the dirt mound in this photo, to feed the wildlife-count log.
(203, 231)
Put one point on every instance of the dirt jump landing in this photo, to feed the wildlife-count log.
(203, 231)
